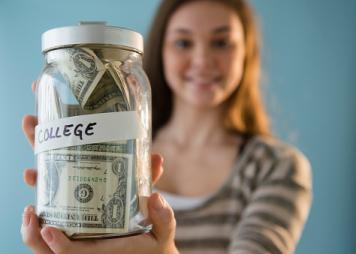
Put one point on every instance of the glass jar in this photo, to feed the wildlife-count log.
(93, 138)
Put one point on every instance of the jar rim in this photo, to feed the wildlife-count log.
(91, 33)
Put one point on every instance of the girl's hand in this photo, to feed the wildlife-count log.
(50, 240)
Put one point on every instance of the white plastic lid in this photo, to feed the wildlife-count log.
(91, 33)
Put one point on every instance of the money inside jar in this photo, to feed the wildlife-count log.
(93, 136)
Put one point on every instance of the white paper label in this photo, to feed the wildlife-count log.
(87, 129)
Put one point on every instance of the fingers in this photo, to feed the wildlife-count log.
(48, 240)
(34, 85)
(28, 125)
(58, 242)
(162, 218)
(156, 167)
(129, 245)
(30, 231)
(30, 176)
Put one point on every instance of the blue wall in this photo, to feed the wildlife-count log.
(310, 64)
(309, 74)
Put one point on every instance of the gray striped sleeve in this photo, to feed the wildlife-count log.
(278, 206)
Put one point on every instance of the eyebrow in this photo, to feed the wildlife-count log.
(221, 29)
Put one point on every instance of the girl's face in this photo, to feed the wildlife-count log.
(203, 53)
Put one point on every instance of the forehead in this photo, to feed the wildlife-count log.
(204, 16)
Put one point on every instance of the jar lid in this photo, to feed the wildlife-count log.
(91, 33)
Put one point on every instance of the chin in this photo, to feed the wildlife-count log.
(204, 102)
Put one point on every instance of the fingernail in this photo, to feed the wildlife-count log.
(47, 235)
(28, 209)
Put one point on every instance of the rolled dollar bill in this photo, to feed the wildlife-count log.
(115, 72)
(81, 68)
(106, 97)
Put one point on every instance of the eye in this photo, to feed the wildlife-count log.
(220, 43)
(183, 43)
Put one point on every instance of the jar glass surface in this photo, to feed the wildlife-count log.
(93, 141)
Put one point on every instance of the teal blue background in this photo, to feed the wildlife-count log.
(309, 74)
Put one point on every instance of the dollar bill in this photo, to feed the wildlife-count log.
(115, 72)
(92, 196)
(97, 87)
(106, 97)
(81, 69)
(73, 110)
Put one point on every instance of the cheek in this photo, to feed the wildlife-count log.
(232, 67)
(173, 66)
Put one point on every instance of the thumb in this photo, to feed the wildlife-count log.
(162, 218)
(56, 240)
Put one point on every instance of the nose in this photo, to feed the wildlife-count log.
(202, 57)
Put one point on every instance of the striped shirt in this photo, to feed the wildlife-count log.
(261, 208)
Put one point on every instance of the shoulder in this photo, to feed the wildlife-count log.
(277, 150)
(279, 159)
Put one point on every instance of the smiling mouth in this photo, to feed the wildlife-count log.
(203, 81)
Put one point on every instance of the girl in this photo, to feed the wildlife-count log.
(233, 187)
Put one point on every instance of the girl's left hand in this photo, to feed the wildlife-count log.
(160, 240)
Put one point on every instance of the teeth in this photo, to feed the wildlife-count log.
(202, 80)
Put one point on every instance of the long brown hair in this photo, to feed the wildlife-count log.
(245, 110)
